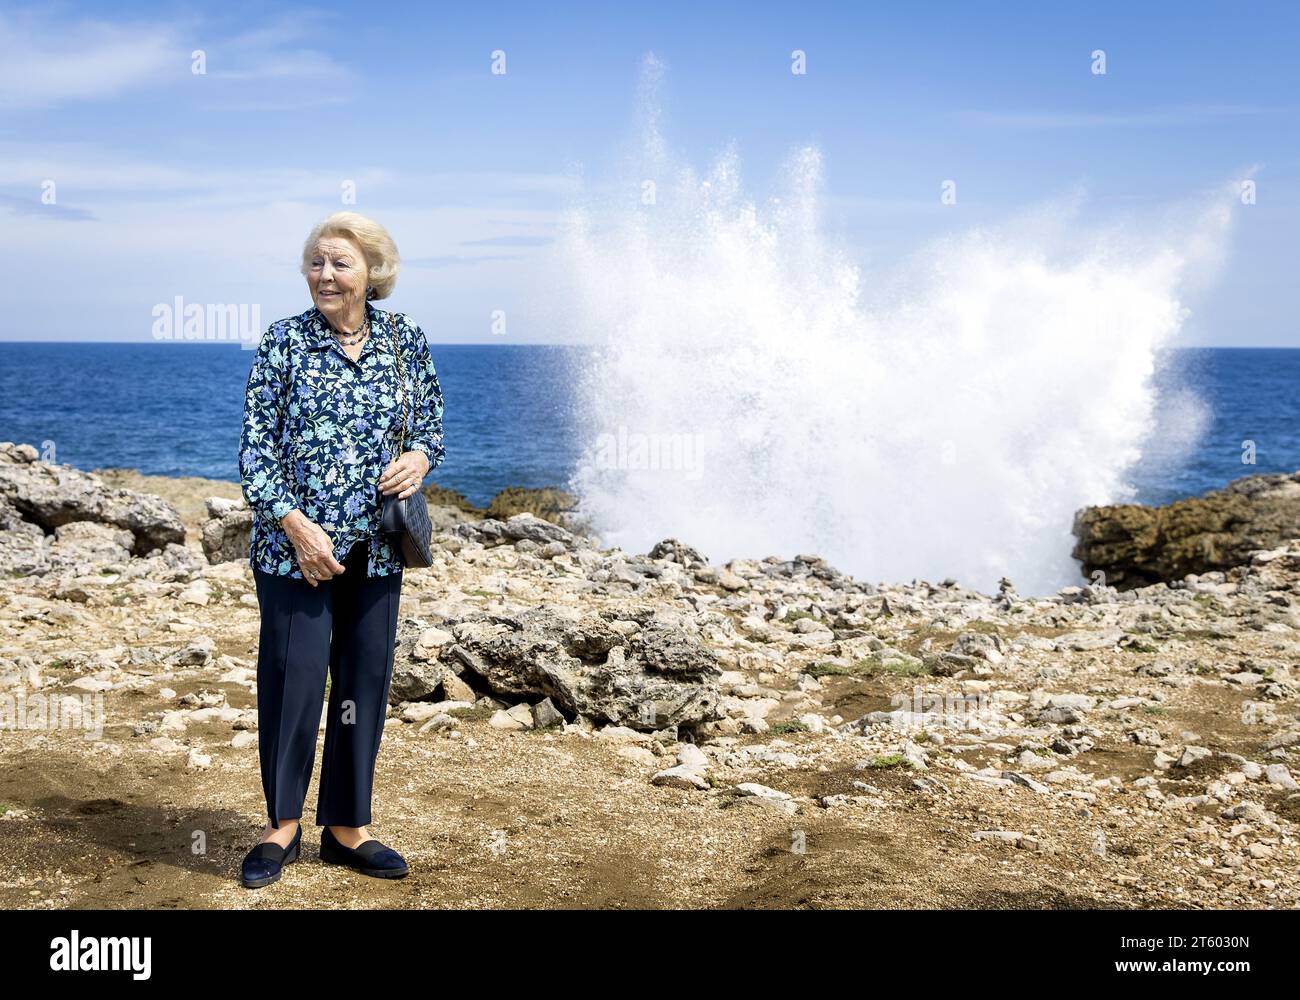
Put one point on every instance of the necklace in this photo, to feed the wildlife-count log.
(361, 333)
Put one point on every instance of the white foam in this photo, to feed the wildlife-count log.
(948, 420)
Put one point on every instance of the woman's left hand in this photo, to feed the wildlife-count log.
(405, 474)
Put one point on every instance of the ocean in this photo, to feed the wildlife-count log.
(174, 409)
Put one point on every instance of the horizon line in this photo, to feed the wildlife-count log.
(231, 343)
(515, 343)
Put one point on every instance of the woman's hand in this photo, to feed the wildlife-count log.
(405, 474)
(314, 548)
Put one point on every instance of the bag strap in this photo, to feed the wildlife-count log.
(289, 482)
(401, 380)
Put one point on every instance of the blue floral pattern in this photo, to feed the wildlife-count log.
(319, 429)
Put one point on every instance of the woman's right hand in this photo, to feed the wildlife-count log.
(313, 546)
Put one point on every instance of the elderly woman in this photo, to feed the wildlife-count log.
(322, 415)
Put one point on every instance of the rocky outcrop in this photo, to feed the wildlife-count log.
(418, 675)
(1135, 545)
(48, 512)
(548, 503)
(671, 550)
(227, 532)
(648, 672)
(519, 528)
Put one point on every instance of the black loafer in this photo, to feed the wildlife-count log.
(369, 858)
(263, 863)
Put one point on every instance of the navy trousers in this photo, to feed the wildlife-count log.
(346, 625)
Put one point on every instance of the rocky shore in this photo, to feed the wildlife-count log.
(573, 725)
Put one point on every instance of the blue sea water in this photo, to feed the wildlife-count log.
(1251, 397)
(175, 409)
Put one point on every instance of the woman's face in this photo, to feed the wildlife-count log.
(337, 276)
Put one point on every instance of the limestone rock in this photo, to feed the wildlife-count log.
(1136, 545)
(658, 677)
(227, 533)
(51, 496)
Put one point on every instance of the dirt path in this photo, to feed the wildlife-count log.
(538, 820)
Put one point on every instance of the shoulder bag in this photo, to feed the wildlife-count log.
(405, 524)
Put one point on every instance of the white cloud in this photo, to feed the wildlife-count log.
(47, 63)
(273, 52)
(93, 169)
(152, 230)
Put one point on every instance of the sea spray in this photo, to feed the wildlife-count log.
(947, 420)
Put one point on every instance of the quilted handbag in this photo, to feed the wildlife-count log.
(405, 524)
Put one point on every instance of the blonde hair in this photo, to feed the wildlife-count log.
(382, 261)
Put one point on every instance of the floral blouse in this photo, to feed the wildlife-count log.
(319, 430)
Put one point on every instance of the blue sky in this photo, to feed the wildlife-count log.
(203, 186)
